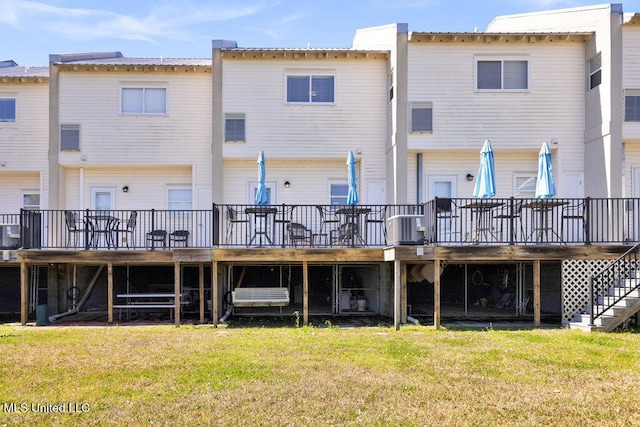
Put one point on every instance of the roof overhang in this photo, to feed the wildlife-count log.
(303, 54)
(475, 37)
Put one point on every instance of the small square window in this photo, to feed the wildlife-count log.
(339, 193)
(632, 105)
(421, 117)
(70, 137)
(8, 110)
(31, 201)
(234, 128)
(179, 199)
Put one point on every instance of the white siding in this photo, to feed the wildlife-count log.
(516, 123)
(631, 74)
(24, 144)
(356, 121)
(181, 137)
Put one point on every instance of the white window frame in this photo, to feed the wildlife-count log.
(527, 180)
(15, 109)
(144, 98)
(30, 193)
(178, 204)
(635, 93)
(70, 127)
(235, 116)
(420, 105)
(502, 60)
(311, 75)
(595, 68)
(338, 200)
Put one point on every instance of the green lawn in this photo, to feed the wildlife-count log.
(199, 375)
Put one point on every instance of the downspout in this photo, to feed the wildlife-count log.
(413, 320)
(419, 179)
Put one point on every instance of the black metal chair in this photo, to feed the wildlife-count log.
(299, 233)
(445, 214)
(574, 212)
(179, 237)
(377, 218)
(233, 221)
(510, 215)
(328, 224)
(77, 227)
(130, 228)
(157, 236)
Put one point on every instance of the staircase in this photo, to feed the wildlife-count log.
(614, 295)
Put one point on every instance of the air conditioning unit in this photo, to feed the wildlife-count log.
(9, 236)
(405, 230)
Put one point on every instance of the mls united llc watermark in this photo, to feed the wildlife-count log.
(62, 408)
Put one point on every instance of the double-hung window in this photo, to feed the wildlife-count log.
(502, 74)
(339, 193)
(144, 100)
(632, 105)
(7, 110)
(421, 117)
(310, 89)
(69, 137)
(234, 128)
(180, 199)
(595, 71)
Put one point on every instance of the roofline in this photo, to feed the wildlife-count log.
(303, 53)
(631, 18)
(482, 37)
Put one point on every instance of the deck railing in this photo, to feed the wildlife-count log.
(441, 221)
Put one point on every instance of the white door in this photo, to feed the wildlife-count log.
(441, 186)
(103, 198)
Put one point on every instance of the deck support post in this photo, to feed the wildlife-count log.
(201, 290)
(214, 293)
(305, 292)
(176, 297)
(397, 292)
(24, 293)
(436, 293)
(403, 294)
(536, 293)
(110, 293)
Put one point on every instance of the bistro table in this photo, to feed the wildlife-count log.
(544, 229)
(103, 227)
(263, 223)
(483, 210)
(351, 225)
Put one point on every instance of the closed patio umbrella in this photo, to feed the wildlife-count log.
(485, 180)
(352, 195)
(261, 198)
(545, 187)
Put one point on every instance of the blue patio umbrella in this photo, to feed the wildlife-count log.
(545, 187)
(486, 180)
(262, 198)
(352, 195)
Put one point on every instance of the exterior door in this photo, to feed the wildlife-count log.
(103, 198)
(441, 186)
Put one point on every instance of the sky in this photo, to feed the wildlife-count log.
(30, 30)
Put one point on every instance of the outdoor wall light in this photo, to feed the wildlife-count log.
(469, 177)
(287, 184)
(125, 189)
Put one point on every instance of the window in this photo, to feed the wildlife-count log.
(144, 100)
(339, 194)
(270, 186)
(234, 125)
(421, 117)
(502, 75)
(595, 71)
(525, 185)
(314, 89)
(7, 110)
(31, 201)
(70, 137)
(632, 105)
(179, 199)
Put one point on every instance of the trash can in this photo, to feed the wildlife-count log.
(42, 315)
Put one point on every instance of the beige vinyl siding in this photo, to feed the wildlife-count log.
(631, 74)
(356, 121)
(181, 137)
(25, 142)
(13, 185)
(310, 180)
(147, 185)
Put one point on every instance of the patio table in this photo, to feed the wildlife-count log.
(546, 210)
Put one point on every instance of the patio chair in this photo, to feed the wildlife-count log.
(234, 220)
(505, 213)
(574, 212)
(180, 237)
(156, 236)
(77, 227)
(298, 233)
(445, 214)
(346, 234)
(377, 218)
(328, 223)
(130, 228)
